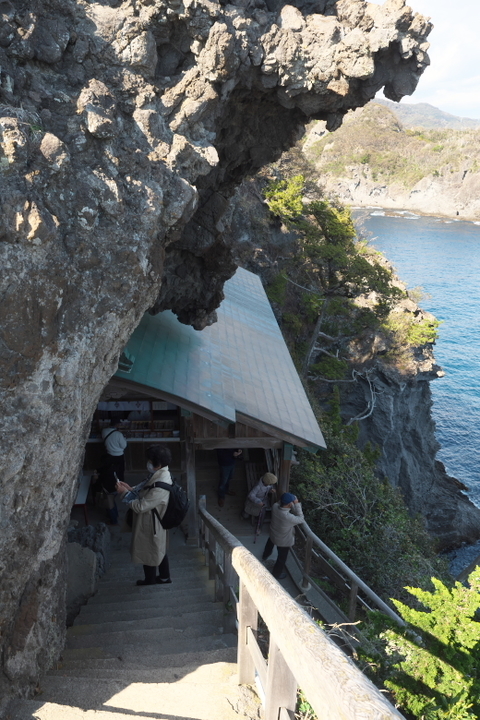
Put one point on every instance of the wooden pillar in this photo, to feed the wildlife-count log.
(247, 617)
(187, 422)
(281, 691)
(285, 464)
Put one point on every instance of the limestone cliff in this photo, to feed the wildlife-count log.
(124, 128)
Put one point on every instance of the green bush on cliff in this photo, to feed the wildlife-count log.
(361, 517)
(432, 666)
(406, 331)
(285, 197)
(332, 266)
(331, 368)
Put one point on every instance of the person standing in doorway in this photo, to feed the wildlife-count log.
(149, 538)
(226, 460)
(285, 515)
(115, 445)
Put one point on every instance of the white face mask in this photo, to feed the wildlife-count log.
(150, 467)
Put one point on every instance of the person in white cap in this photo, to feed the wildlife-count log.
(260, 495)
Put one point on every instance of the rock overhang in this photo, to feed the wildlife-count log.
(124, 129)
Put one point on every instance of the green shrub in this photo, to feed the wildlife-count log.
(330, 368)
(294, 322)
(423, 332)
(277, 289)
(406, 331)
(284, 197)
(361, 517)
(432, 666)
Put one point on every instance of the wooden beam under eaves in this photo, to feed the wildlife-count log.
(250, 442)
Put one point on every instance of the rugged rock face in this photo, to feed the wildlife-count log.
(401, 425)
(124, 128)
(453, 195)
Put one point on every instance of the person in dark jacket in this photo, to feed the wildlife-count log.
(226, 459)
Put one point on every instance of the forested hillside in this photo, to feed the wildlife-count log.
(374, 160)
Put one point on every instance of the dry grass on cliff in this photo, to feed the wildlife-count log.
(373, 142)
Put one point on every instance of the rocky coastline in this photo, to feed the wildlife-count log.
(455, 199)
(375, 160)
(400, 425)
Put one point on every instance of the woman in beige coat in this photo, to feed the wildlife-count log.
(149, 539)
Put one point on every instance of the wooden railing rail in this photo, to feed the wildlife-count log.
(300, 654)
(316, 548)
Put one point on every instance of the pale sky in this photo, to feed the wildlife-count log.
(452, 82)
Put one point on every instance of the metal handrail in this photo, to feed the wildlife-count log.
(300, 653)
(356, 582)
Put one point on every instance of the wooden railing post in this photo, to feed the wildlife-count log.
(230, 615)
(212, 547)
(281, 691)
(307, 563)
(352, 609)
(247, 617)
(202, 528)
(191, 480)
(219, 559)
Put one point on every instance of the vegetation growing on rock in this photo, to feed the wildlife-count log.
(432, 666)
(336, 289)
(374, 138)
(361, 517)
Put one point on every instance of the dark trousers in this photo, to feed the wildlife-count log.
(226, 474)
(281, 558)
(112, 512)
(117, 465)
(163, 571)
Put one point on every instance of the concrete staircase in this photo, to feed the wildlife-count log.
(157, 651)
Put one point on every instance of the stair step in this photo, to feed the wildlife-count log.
(158, 655)
(123, 559)
(115, 668)
(128, 579)
(127, 591)
(178, 620)
(143, 637)
(202, 692)
(176, 566)
(107, 612)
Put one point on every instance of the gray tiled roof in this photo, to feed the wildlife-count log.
(238, 365)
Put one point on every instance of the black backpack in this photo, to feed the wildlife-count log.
(178, 504)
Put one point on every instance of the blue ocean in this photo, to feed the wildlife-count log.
(443, 257)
